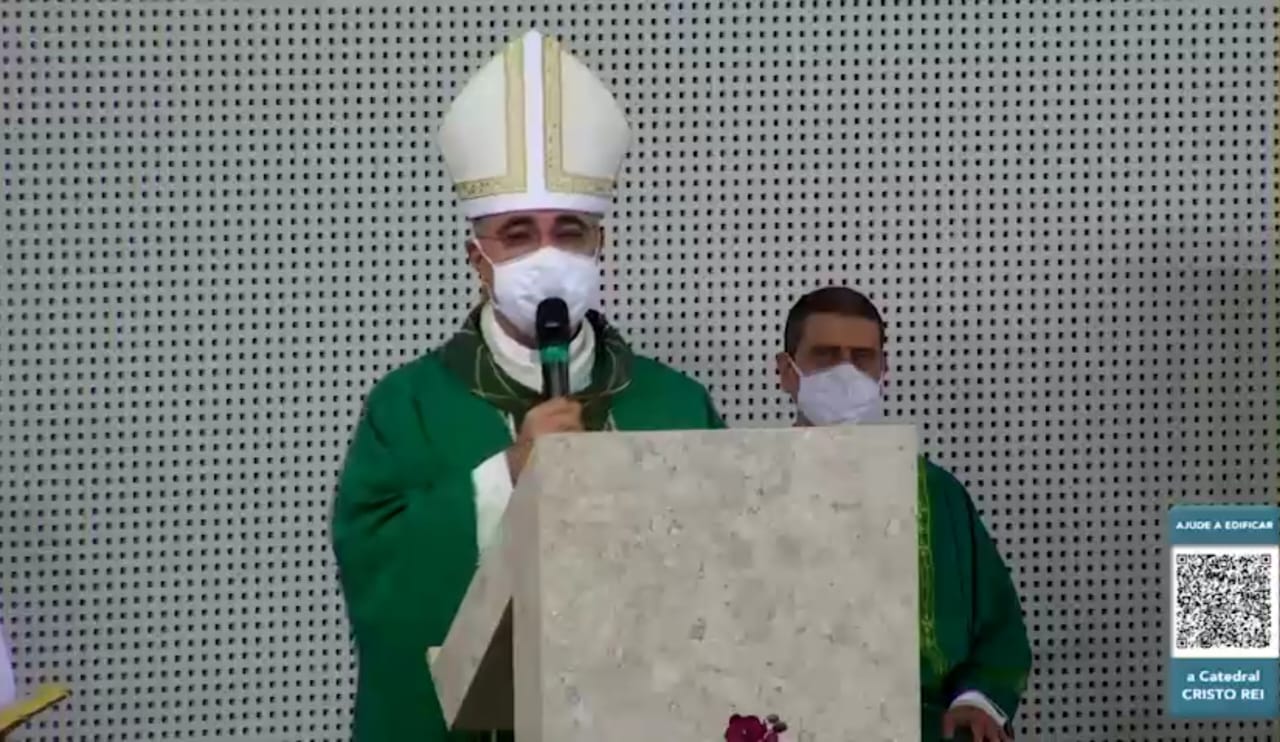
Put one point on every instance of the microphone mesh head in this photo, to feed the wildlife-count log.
(551, 323)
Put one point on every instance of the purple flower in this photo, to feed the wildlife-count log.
(748, 729)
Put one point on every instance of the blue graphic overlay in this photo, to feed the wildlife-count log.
(1223, 689)
(1224, 658)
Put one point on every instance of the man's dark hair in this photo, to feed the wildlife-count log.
(832, 300)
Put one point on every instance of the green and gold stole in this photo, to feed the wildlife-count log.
(468, 357)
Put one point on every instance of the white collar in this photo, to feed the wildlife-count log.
(522, 364)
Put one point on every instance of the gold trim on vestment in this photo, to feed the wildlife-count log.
(558, 179)
(929, 647)
(517, 175)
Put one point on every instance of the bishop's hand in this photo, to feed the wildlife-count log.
(971, 723)
(553, 416)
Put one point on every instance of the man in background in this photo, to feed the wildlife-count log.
(8, 686)
(974, 654)
(533, 143)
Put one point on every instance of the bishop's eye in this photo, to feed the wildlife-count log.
(573, 238)
(518, 239)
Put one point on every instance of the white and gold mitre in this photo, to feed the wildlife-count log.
(534, 129)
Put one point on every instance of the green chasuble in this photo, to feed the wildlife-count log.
(972, 637)
(404, 519)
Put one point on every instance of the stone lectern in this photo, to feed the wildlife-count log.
(646, 586)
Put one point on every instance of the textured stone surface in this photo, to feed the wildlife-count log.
(680, 577)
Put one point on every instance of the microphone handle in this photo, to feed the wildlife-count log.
(555, 380)
(555, 371)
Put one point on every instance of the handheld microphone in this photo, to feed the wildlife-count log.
(551, 323)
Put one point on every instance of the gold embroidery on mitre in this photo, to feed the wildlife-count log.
(516, 178)
(558, 179)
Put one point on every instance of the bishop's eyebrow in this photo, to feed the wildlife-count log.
(523, 222)
(572, 221)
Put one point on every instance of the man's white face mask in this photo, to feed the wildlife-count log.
(8, 686)
(839, 395)
(521, 284)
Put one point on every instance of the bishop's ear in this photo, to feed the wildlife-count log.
(788, 377)
(479, 264)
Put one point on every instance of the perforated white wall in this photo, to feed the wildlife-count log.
(223, 221)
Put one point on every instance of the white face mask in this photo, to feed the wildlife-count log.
(838, 395)
(520, 285)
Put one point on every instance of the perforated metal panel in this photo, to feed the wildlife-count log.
(223, 221)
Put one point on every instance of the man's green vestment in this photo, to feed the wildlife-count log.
(972, 637)
(404, 519)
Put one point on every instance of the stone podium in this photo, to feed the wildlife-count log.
(646, 586)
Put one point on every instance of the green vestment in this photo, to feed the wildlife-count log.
(972, 636)
(404, 519)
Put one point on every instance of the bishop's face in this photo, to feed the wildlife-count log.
(505, 237)
(523, 259)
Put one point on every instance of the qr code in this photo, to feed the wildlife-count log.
(1224, 602)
